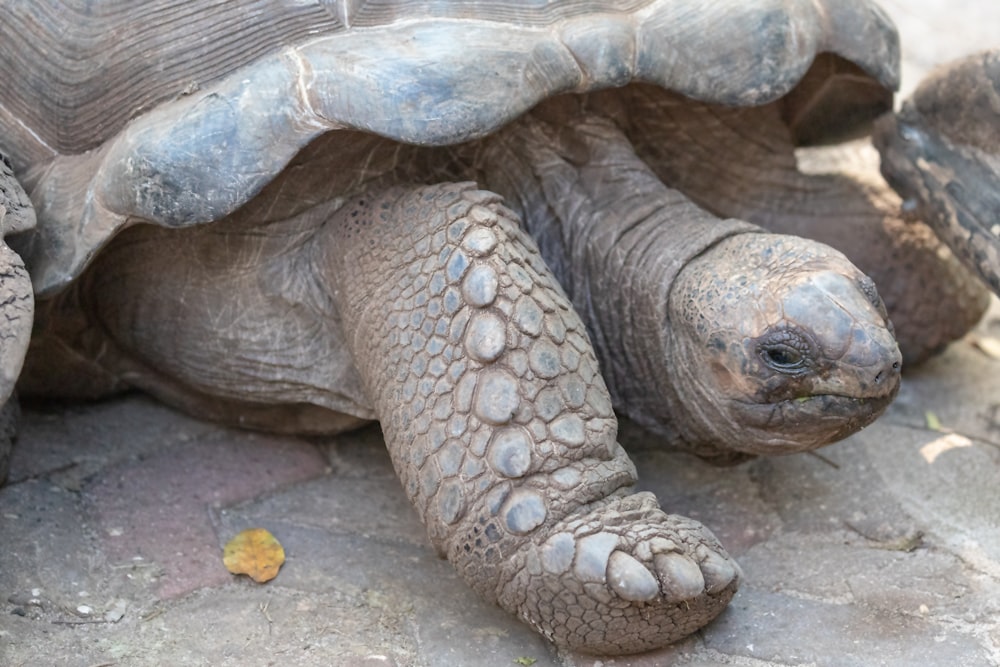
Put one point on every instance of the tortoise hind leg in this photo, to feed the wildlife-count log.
(16, 309)
(17, 306)
(501, 428)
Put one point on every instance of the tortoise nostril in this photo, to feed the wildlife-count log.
(890, 371)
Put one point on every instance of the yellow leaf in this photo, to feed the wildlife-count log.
(254, 552)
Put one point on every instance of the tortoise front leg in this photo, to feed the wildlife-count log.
(501, 428)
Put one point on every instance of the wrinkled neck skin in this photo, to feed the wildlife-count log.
(725, 340)
(616, 237)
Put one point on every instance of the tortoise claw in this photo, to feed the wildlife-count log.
(682, 578)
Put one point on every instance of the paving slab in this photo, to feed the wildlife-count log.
(881, 550)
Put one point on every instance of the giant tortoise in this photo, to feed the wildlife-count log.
(469, 222)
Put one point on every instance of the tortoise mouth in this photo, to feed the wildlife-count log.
(808, 422)
(840, 405)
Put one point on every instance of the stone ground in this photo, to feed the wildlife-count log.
(881, 550)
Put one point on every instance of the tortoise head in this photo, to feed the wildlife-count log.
(786, 344)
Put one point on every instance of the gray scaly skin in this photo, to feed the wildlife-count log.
(941, 152)
(430, 309)
(17, 306)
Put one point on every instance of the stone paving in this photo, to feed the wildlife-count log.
(881, 550)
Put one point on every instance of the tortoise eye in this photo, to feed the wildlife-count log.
(785, 351)
(780, 356)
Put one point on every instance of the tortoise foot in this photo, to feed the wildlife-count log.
(622, 577)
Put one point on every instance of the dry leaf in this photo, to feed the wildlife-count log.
(987, 345)
(946, 443)
(256, 553)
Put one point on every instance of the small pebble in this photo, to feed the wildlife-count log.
(117, 612)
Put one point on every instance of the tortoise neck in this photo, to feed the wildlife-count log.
(616, 238)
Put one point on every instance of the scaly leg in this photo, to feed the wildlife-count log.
(501, 428)
(17, 306)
